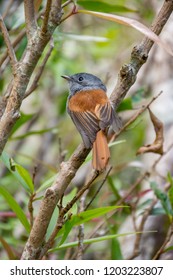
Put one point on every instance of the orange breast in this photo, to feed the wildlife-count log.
(87, 100)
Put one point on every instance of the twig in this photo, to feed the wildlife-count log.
(14, 44)
(10, 49)
(40, 70)
(46, 16)
(98, 190)
(81, 229)
(31, 209)
(31, 25)
(167, 239)
(128, 73)
(69, 169)
(138, 113)
(67, 3)
(141, 228)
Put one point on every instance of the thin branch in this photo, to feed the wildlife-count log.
(67, 3)
(128, 73)
(68, 169)
(81, 228)
(10, 49)
(98, 190)
(14, 44)
(31, 25)
(167, 240)
(46, 16)
(141, 228)
(40, 70)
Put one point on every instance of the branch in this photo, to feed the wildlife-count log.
(31, 25)
(128, 73)
(68, 170)
(46, 16)
(24, 71)
(10, 49)
(34, 84)
(167, 240)
(14, 44)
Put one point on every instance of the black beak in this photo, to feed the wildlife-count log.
(68, 78)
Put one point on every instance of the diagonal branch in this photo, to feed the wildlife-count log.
(11, 53)
(46, 16)
(37, 77)
(128, 73)
(31, 24)
(127, 77)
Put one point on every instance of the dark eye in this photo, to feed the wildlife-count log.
(80, 79)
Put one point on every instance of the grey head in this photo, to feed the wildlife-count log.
(83, 81)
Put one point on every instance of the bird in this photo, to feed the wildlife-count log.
(92, 113)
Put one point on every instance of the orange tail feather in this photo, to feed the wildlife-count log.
(101, 153)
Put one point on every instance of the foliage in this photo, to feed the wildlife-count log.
(44, 137)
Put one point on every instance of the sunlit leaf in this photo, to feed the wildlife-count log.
(103, 6)
(15, 207)
(133, 23)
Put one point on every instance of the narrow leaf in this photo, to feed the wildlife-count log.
(84, 217)
(8, 249)
(103, 6)
(94, 240)
(19, 172)
(133, 23)
(15, 207)
(116, 253)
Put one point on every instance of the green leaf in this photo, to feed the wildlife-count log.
(170, 192)
(15, 207)
(168, 249)
(103, 6)
(19, 172)
(84, 217)
(94, 240)
(126, 104)
(116, 253)
(163, 197)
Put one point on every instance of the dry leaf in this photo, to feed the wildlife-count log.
(157, 145)
(133, 23)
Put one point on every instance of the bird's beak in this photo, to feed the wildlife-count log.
(68, 78)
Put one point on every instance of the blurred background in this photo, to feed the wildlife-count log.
(45, 136)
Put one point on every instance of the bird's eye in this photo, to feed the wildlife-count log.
(80, 79)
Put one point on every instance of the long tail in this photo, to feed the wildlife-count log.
(101, 153)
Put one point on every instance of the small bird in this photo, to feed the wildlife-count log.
(92, 114)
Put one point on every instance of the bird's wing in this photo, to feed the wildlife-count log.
(87, 124)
